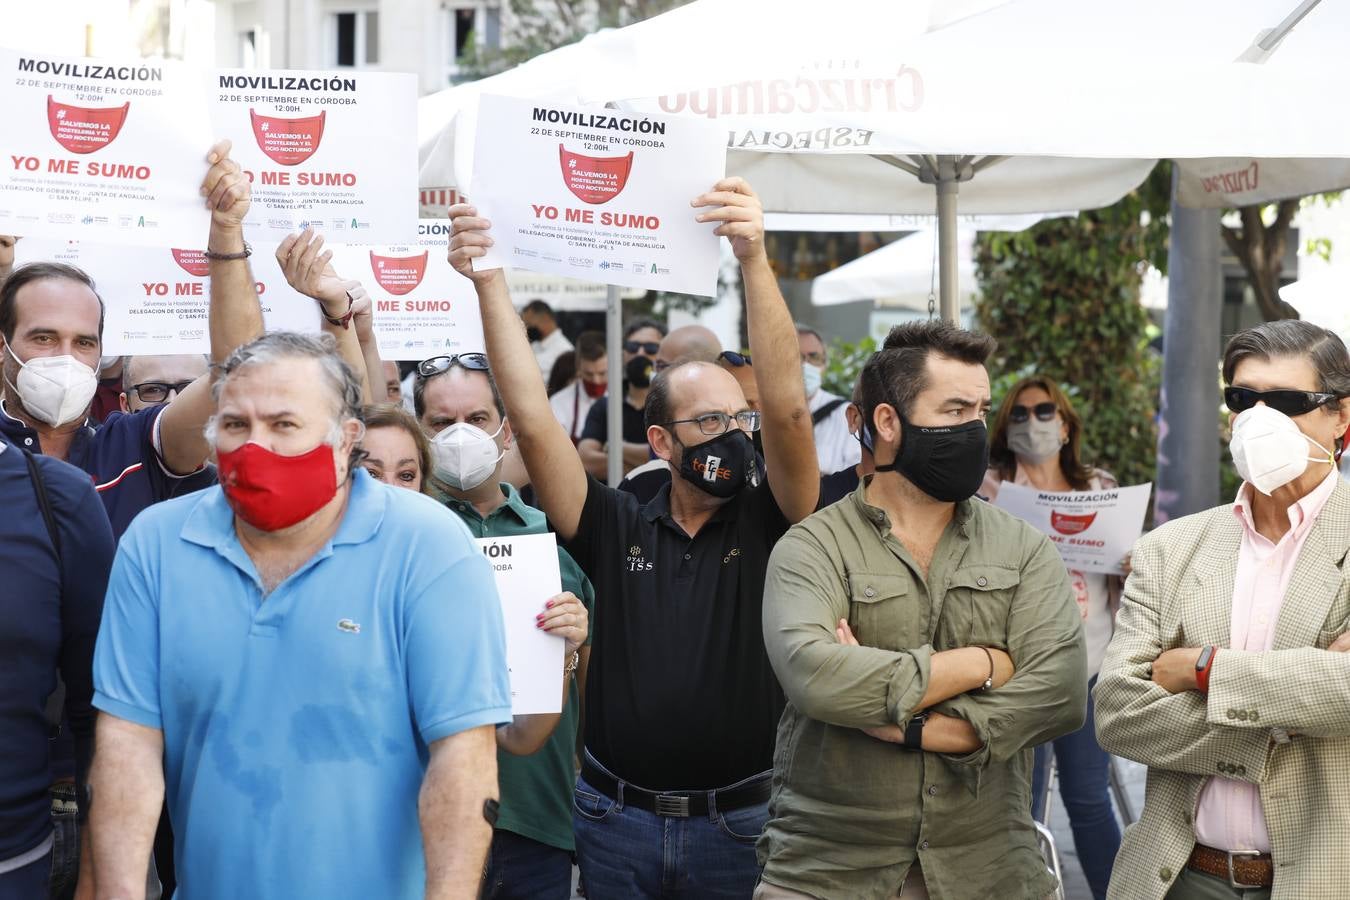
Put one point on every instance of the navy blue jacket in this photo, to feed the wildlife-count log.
(49, 617)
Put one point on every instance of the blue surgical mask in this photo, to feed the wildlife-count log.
(812, 375)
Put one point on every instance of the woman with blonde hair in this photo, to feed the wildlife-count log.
(1035, 441)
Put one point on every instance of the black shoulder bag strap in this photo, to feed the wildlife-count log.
(821, 414)
(56, 702)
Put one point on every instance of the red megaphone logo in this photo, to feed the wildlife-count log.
(288, 141)
(594, 179)
(1067, 524)
(398, 274)
(81, 129)
(192, 262)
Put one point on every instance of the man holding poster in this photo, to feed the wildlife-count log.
(51, 332)
(682, 704)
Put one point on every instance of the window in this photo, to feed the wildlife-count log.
(248, 49)
(473, 25)
(356, 39)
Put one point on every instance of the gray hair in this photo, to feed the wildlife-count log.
(337, 376)
(1293, 337)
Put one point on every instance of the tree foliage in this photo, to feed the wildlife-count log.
(1062, 299)
(537, 26)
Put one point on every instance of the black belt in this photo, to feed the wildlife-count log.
(678, 804)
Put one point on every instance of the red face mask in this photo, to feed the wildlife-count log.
(595, 389)
(270, 491)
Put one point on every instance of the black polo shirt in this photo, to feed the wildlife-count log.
(837, 485)
(597, 423)
(679, 695)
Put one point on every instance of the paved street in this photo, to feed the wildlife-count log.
(1075, 887)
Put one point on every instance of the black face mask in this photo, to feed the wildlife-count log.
(533, 334)
(721, 465)
(638, 372)
(948, 464)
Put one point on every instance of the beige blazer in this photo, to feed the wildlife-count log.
(1180, 595)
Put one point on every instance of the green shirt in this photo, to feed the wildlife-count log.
(536, 790)
(849, 813)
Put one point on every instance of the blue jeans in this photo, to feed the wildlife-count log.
(1084, 786)
(523, 869)
(628, 853)
(66, 851)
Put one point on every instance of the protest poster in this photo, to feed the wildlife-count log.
(526, 569)
(1093, 530)
(422, 306)
(101, 149)
(596, 194)
(156, 298)
(335, 150)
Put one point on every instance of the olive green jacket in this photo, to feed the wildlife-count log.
(850, 814)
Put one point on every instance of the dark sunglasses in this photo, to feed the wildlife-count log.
(1291, 403)
(648, 347)
(158, 391)
(736, 359)
(478, 362)
(1044, 411)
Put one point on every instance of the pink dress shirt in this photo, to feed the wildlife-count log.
(1229, 815)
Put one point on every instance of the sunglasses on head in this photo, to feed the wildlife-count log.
(647, 347)
(736, 359)
(478, 362)
(1043, 411)
(1291, 403)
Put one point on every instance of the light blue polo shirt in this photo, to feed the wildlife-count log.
(296, 727)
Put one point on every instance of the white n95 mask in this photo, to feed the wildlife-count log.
(464, 456)
(55, 389)
(1269, 450)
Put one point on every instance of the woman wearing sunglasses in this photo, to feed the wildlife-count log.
(1034, 441)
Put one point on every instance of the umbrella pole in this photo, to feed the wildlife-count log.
(948, 302)
(614, 353)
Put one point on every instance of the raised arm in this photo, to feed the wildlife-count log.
(461, 777)
(234, 317)
(555, 469)
(7, 242)
(789, 442)
(126, 790)
(309, 270)
(1139, 719)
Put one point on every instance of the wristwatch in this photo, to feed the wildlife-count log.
(1203, 664)
(914, 731)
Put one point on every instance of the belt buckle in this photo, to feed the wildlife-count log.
(672, 805)
(1232, 875)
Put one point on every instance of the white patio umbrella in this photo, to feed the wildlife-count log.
(899, 275)
(879, 107)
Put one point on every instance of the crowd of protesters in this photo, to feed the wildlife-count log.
(252, 650)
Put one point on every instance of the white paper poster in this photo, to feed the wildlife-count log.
(1093, 530)
(101, 149)
(157, 298)
(337, 150)
(597, 194)
(423, 307)
(526, 568)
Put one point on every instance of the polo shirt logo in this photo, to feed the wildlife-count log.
(636, 561)
(735, 552)
(349, 626)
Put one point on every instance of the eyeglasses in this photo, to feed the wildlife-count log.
(648, 347)
(477, 362)
(718, 423)
(814, 358)
(1044, 411)
(1291, 403)
(158, 391)
(736, 359)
